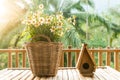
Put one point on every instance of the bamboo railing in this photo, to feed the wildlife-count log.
(71, 55)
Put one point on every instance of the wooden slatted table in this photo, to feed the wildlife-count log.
(101, 73)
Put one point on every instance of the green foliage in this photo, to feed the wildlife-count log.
(97, 38)
(3, 61)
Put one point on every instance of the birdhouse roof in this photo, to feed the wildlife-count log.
(84, 50)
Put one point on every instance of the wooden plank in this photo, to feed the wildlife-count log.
(71, 50)
(65, 75)
(59, 75)
(18, 68)
(70, 74)
(75, 75)
(23, 59)
(116, 60)
(111, 74)
(12, 50)
(76, 57)
(9, 59)
(119, 63)
(64, 50)
(95, 77)
(98, 75)
(5, 73)
(65, 68)
(26, 76)
(21, 75)
(43, 78)
(62, 60)
(92, 54)
(115, 72)
(13, 74)
(2, 71)
(106, 75)
(108, 57)
(88, 78)
(69, 58)
(101, 73)
(31, 77)
(81, 77)
(17, 59)
(100, 58)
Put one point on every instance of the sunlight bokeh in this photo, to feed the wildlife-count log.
(9, 10)
(4, 10)
(10, 14)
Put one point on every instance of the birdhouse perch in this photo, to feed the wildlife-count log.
(85, 63)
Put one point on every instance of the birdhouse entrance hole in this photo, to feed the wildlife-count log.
(86, 66)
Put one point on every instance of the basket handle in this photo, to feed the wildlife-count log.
(46, 37)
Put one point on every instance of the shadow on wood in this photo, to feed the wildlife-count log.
(85, 63)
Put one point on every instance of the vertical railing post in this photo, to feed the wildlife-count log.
(24, 59)
(92, 53)
(108, 57)
(69, 58)
(17, 59)
(116, 59)
(119, 61)
(62, 60)
(76, 56)
(99, 57)
(9, 59)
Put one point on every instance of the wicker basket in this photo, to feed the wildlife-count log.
(44, 57)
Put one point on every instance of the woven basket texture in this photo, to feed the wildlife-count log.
(44, 57)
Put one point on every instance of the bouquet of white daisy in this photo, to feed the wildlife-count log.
(53, 26)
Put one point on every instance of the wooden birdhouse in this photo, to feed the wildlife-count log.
(85, 63)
